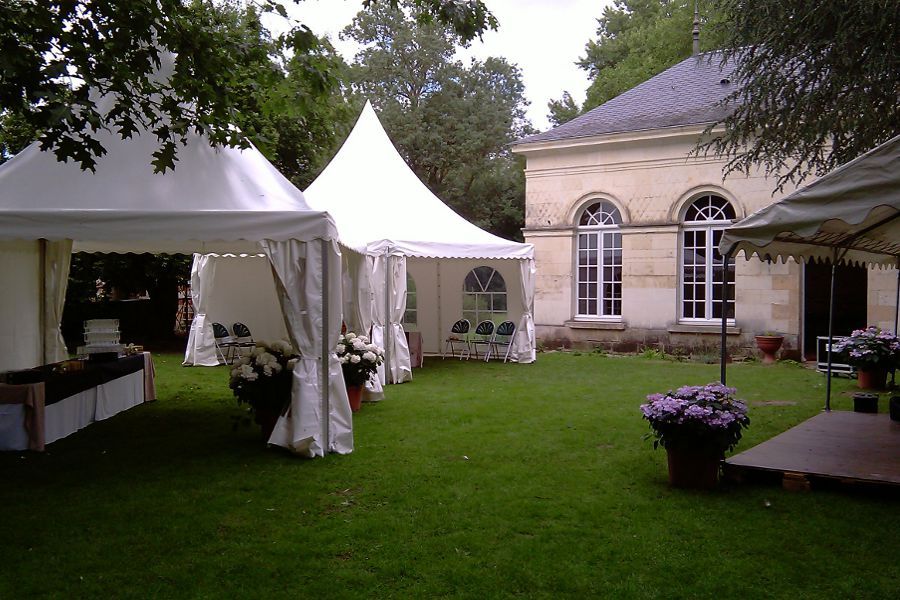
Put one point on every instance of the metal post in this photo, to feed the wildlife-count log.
(830, 333)
(42, 301)
(724, 357)
(326, 351)
(896, 316)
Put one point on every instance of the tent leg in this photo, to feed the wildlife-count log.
(326, 352)
(724, 357)
(42, 301)
(830, 334)
(387, 317)
(896, 318)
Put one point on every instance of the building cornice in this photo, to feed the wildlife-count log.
(693, 130)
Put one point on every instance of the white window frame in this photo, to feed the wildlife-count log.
(609, 223)
(482, 314)
(709, 226)
(412, 302)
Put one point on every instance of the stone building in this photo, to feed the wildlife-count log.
(625, 220)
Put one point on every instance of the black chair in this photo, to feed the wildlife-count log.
(459, 334)
(503, 336)
(226, 345)
(484, 334)
(242, 337)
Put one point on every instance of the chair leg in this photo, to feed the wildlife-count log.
(508, 349)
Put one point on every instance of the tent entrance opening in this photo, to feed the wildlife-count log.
(850, 289)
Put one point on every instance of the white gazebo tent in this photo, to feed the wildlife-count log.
(216, 200)
(394, 223)
(850, 215)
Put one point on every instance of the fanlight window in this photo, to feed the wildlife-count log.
(484, 296)
(598, 281)
(702, 267)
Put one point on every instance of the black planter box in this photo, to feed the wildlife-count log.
(895, 408)
(865, 403)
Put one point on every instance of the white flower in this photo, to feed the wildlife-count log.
(355, 359)
(267, 371)
(350, 336)
(245, 360)
(235, 372)
(358, 344)
(369, 357)
(292, 363)
(344, 359)
(371, 347)
(277, 367)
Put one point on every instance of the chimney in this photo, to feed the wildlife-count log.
(696, 29)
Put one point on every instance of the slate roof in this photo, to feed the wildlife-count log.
(685, 94)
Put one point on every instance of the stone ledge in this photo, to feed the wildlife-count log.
(708, 329)
(601, 325)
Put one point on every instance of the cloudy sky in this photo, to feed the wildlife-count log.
(543, 37)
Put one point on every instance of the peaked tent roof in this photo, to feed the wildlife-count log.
(855, 208)
(380, 205)
(214, 195)
(688, 93)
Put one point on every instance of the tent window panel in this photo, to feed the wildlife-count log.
(411, 315)
(484, 296)
(599, 262)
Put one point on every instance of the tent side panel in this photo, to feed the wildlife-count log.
(20, 305)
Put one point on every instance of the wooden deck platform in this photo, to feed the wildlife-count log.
(847, 446)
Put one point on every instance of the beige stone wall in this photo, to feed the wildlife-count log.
(651, 178)
(882, 297)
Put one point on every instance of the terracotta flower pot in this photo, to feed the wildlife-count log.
(871, 378)
(354, 394)
(693, 469)
(769, 345)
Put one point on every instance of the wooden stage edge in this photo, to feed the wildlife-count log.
(846, 446)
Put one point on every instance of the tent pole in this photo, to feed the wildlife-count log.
(830, 332)
(724, 357)
(896, 318)
(387, 316)
(326, 352)
(42, 301)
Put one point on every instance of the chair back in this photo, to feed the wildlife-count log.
(506, 329)
(461, 326)
(485, 328)
(219, 330)
(240, 330)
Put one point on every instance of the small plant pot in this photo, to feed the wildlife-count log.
(894, 406)
(871, 379)
(690, 469)
(865, 403)
(769, 345)
(354, 394)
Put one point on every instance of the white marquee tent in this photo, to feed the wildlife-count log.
(215, 200)
(394, 224)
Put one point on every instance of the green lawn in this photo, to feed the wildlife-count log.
(475, 480)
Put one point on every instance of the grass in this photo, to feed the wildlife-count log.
(474, 481)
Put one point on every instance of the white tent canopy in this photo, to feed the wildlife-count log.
(851, 213)
(216, 199)
(385, 213)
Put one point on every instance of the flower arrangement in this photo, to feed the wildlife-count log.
(870, 348)
(700, 417)
(359, 358)
(263, 379)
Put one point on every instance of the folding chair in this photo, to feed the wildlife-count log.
(483, 335)
(242, 337)
(459, 334)
(226, 346)
(503, 336)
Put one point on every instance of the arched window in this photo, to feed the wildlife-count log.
(410, 316)
(484, 296)
(701, 264)
(598, 280)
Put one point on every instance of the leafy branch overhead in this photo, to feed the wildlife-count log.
(818, 84)
(59, 58)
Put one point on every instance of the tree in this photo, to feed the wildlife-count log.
(818, 84)
(116, 48)
(637, 39)
(451, 122)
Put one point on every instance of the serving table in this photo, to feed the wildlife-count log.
(41, 405)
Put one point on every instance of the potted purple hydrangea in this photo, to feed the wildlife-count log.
(695, 424)
(873, 351)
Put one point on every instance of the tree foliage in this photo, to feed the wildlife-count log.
(59, 57)
(451, 122)
(637, 39)
(818, 83)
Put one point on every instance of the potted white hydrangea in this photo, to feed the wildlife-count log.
(262, 380)
(359, 360)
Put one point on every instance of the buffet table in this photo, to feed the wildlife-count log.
(41, 405)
